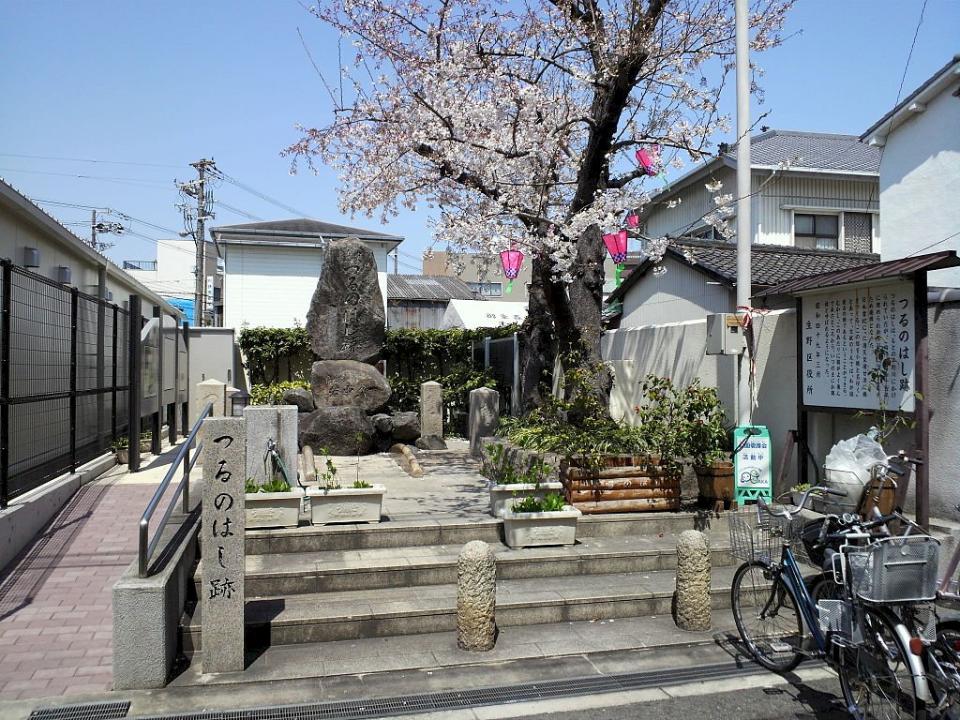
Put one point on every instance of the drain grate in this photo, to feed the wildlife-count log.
(458, 699)
(86, 711)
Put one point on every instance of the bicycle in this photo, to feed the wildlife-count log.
(780, 623)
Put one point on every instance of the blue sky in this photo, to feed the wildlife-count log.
(162, 84)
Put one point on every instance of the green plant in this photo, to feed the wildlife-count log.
(498, 467)
(887, 421)
(703, 431)
(361, 484)
(277, 484)
(267, 350)
(551, 502)
(328, 478)
(273, 394)
(800, 487)
(121, 443)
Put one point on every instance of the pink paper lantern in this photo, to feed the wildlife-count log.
(633, 221)
(648, 158)
(511, 261)
(616, 245)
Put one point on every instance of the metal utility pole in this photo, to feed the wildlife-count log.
(744, 229)
(93, 230)
(198, 190)
(97, 228)
(396, 257)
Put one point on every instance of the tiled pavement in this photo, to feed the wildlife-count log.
(55, 600)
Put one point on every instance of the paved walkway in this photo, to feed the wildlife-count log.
(56, 620)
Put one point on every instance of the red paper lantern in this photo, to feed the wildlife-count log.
(616, 245)
(511, 261)
(633, 221)
(648, 158)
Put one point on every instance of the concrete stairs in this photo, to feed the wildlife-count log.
(355, 582)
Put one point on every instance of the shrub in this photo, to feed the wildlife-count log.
(273, 394)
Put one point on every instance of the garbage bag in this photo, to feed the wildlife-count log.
(856, 455)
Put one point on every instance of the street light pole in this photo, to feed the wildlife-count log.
(744, 229)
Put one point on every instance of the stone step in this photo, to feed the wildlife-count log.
(420, 532)
(339, 570)
(354, 614)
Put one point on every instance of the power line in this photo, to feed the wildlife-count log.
(238, 211)
(81, 176)
(263, 196)
(87, 160)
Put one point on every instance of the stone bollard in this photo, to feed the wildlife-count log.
(692, 610)
(476, 597)
(431, 409)
(484, 417)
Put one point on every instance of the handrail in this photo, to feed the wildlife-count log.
(147, 546)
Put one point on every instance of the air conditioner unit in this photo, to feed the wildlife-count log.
(31, 257)
(63, 274)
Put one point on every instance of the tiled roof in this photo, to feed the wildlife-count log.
(769, 264)
(813, 151)
(301, 226)
(428, 287)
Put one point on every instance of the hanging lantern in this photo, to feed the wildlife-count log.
(617, 247)
(633, 221)
(648, 158)
(511, 260)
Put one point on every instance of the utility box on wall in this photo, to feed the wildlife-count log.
(725, 335)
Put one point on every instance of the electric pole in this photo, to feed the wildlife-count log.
(744, 226)
(197, 189)
(101, 227)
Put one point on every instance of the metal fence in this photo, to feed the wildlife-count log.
(502, 357)
(65, 360)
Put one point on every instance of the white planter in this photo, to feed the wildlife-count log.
(273, 509)
(346, 505)
(503, 496)
(542, 528)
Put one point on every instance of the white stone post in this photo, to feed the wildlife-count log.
(222, 529)
(484, 417)
(476, 597)
(693, 581)
(271, 422)
(431, 410)
(208, 391)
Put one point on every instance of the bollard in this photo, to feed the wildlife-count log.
(483, 418)
(692, 611)
(476, 597)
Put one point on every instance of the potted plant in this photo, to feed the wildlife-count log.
(535, 522)
(707, 442)
(121, 447)
(332, 503)
(271, 504)
(797, 492)
(508, 484)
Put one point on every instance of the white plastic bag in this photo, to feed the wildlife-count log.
(856, 455)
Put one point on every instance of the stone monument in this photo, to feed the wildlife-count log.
(483, 418)
(476, 597)
(693, 581)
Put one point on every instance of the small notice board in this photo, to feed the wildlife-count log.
(752, 463)
(847, 336)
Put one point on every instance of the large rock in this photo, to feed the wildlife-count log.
(350, 383)
(406, 426)
(337, 430)
(301, 397)
(346, 316)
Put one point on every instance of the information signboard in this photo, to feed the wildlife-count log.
(857, 348)
(752, 463)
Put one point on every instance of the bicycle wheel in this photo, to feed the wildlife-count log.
(875, 676)
(946, 691)
(767, 616)
(822, 587)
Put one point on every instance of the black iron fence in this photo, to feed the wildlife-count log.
(65, 380)
(501, 356)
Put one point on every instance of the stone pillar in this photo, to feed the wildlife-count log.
(484, 417)
(208, 391)
(276, 422)
(693, 581)
(222, 529)
(476, 597)
(431, 410)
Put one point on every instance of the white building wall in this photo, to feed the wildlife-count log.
(695, 202)
(680, 294)
(920, 185)
(271, 286)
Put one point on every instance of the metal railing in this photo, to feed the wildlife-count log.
(184, 456)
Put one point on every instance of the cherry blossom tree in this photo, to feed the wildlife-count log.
(519, 123)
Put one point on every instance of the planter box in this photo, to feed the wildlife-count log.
(123, 455)
(346, 505)
(273, 510)
(503, 496)
(542, 528)
(715, 481)
(622, 483)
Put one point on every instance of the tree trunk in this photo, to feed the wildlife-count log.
(537, 341)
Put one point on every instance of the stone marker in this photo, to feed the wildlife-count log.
(405, 426)
(208, 391)
(483, 418)
(476, 597)
(336, 429)
(346, 318)
(271, 422)
(222, 539)
(431, 409)
(348, 383)
(693, 581)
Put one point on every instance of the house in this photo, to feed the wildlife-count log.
(702, 274)
(271, 268)
(810, 190)
(419, 301)
(919, 142)
(172, 275)
(34, 240)
(483, 273)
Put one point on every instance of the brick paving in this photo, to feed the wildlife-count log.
(56, 620)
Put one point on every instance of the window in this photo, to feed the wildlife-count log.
(708, 233)
(816, 231)
(487, 289)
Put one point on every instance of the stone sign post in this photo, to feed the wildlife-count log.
(484, 417)
(208, 391)
(431, 410)
(222, 529)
